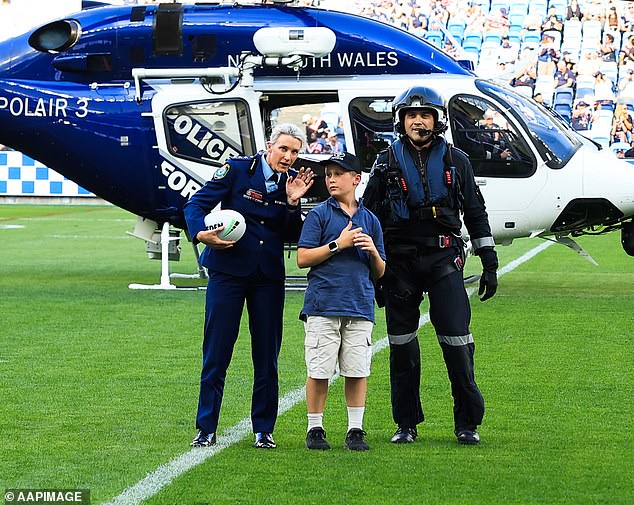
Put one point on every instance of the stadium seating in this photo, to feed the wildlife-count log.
(560, 6)
(518, 6)
(575, 39)
(457, 29)
(610, 69)
(435, 37)
(564, 110)
(563, 96)
(531, 36)
(539, 7)
(472, 41)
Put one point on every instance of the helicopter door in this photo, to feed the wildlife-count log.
(197, 133)
(507, 170)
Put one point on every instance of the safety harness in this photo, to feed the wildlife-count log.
(416, 191)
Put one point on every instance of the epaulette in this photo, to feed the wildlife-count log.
(252, 161)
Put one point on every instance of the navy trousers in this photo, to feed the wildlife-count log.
(226, 295)
(450, 314)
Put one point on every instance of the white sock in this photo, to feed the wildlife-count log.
(315, 420)
(355, 417)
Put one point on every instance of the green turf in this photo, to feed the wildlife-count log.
(98, 383)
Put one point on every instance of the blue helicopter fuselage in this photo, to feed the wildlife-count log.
(74, 109)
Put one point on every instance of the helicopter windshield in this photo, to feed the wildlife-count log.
(554, 141)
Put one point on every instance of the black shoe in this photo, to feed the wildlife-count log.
(316, 439)
(264, 441)
(203, 439)
(468, 437)
(404, 436)
(355, 440)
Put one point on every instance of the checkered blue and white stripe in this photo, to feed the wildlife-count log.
(23, 176)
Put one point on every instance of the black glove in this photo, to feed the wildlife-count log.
(489, 278)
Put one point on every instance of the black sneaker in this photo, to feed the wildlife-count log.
(468, 437)
(355, 440)
(316, 439)
(264, 441)
(404, 436)
(203, 439)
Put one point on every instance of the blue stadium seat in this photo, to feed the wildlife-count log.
(493, 36)
(531, 36)
(473, 50)
(517, 19)
(485, 5)
(563, 96)
(435, 37)
(496, 5)
(572, 28)
(457, 28)
(564, 110)
(515, 34)
(518, 6)
(592, 30)
(472, 40)
(560, 5)
(610, 69)
(539, 7)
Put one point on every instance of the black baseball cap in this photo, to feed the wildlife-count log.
(345, 160)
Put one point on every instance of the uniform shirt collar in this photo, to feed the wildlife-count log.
(266, 169)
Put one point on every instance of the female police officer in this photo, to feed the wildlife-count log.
(251, 269)
(419, 188)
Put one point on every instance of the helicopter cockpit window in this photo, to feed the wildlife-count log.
(372, 127)
(555, 140)
(493, 144)
(209, 132)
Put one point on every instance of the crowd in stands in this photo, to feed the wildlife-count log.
(321, 137)
(574, 56)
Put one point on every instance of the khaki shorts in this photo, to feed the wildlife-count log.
(333, 338)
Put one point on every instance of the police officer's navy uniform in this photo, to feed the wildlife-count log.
(251, 270)
(418, 197)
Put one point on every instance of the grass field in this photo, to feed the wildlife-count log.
(99, 383)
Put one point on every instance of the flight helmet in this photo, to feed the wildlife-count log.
(418, 97)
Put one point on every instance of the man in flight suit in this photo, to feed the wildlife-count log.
(252, 269)
(419, 188)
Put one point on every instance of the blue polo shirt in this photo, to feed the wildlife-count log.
(341, 285)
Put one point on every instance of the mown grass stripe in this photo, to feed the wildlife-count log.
(165, 474)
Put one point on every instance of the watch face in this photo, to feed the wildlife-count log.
(333, 246)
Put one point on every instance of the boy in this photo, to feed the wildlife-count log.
(342, 243)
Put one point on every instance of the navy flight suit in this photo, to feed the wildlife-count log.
(251, 270)
(425, 255)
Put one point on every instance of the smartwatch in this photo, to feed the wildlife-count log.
(333, 246)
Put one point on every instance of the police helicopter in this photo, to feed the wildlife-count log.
(140, 104)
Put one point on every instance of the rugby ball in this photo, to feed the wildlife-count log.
(233, 222)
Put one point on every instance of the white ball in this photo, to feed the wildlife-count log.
(234, 223)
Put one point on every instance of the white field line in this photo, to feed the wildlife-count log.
(154, 481)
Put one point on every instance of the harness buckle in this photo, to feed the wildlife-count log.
(444, 241)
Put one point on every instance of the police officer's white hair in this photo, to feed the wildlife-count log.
(288, 129)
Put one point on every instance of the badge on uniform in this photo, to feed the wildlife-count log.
(254, 196)
(221, 172)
